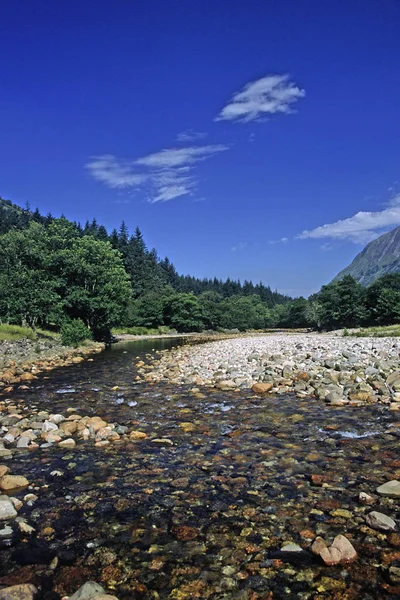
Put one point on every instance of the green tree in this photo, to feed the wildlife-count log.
(183, 312)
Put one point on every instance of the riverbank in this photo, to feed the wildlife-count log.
(338, 370)
(22, 360)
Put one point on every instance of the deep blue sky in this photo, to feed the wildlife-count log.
(121, 80)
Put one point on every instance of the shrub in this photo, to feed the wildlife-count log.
(74, 332)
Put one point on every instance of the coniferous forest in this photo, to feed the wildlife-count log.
(58, 273)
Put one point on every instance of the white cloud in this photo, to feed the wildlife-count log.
(165, 175)
(361, 227)
(283, 240)
(190, 136)
(268, 95)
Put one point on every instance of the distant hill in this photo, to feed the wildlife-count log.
(379, 257)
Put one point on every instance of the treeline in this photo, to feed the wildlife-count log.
(346, 304)
(54, 271)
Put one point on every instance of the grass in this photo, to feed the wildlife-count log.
(142, 330)
(11, 333)
(388, 331)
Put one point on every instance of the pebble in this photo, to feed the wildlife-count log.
(7, 509)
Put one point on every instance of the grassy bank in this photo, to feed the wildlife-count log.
(12, 333)
(388, 331)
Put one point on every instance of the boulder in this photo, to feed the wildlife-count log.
(341, 552)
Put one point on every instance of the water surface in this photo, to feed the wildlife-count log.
(203, 515)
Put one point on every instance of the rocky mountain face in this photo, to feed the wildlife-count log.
(379, 257)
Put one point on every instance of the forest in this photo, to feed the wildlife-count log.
(59, 274)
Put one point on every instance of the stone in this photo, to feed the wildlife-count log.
(163, 441)
(27, 377)
(262, 388)
(137, 435)
(9, 483)
(48, 426)
(3, 470)
(291, 548)
(346, 549)
(378, 520)
(7, 509)
(68, 427)
(25, 591)
(393, 377)
(96, 423)
(89, 591)
(366, 498)
(68, 443)
(391, 488)
(340, 552)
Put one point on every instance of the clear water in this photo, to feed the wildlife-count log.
(205, 517)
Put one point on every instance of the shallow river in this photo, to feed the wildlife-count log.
(207, 516)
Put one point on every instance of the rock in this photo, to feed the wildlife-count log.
(378, 520)
(391, 488)
(7, 509)
(68, 443)
(340, 552)
(27, 377)
(89, 591)
(226, 384)
(394, 573)
(346, 549)
(96, 423)
(9, 483)
(291, 548)
(137, 435)
(68, 427)
(25, 591)
(366, 498)
(3, 470)
(393, 377)
(163, 441)
(262, 388)
(48, 426)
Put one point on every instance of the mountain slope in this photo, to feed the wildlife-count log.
(379, 257)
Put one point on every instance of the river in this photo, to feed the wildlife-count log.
(205, 513)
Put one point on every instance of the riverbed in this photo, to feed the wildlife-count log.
(206, 511)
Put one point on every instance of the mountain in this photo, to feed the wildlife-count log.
(379, 257)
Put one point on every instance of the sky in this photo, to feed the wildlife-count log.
(253, 140)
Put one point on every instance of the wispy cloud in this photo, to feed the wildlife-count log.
(283, 240)
(239, 246)
(191, 136)
(361, 227)
(266, 96)
(165, 175)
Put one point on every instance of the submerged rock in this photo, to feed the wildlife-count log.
(25, 591)
(391, 488)
(340, 552)
(378, 520)
(91, 591)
